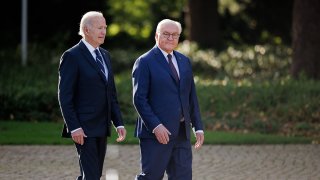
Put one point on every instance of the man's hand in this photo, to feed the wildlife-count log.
(162, 134)
(200, 139)
(78, 136)
(121, 134)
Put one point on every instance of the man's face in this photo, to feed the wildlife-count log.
(168, 37)
(96, 33)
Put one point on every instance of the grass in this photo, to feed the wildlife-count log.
(48, 133)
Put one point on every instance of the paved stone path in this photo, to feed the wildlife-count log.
(212, 162)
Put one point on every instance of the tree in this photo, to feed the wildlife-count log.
(306, 39)
(134, 22)
(202, 22)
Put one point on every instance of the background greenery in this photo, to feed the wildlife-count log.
(242, 89)
(243, 79)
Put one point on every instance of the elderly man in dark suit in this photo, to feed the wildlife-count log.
(87, 96)
(164, 96)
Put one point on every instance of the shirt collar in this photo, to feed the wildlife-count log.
(89, 46)
(165, 53)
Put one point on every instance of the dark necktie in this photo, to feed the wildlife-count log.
(173, 69)
(99, 60)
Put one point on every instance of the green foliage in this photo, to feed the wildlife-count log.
(133, 22)
(123, 59)
(255, 22)
(29, 93)
(267, 107)
(124, 90)
(132, 17)
(259, 62)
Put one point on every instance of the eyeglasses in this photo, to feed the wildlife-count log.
(167, 35)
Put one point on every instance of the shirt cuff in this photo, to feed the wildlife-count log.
(200, 131)
(156, 128)
(120, 127)
(75, 130)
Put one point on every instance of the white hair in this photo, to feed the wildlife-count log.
(168, 21)
(86, 20)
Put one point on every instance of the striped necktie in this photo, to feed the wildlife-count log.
(99, 60)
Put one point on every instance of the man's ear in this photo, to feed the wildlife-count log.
(86, 30)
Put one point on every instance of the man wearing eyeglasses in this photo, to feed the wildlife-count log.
(165, 99)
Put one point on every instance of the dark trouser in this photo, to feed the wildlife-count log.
(91, 157)
(175, 158)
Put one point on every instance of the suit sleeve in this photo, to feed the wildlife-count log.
(141, 85)
(68, 71)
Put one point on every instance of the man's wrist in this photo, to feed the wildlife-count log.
(156, 128)
(199, 131)
(75, 130)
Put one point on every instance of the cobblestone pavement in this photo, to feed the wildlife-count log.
(212, 162)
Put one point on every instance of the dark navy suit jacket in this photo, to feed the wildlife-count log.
(86, 98)
(158, 98)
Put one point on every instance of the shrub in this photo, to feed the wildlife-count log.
(266, 62)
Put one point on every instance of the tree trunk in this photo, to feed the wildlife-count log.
(306, 39)
(202, 23)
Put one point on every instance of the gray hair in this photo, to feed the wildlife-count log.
(168, 21)
(86, 20)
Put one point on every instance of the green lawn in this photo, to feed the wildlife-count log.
(31, 133)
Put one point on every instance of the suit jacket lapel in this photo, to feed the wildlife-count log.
(88, 56)
(91, 60)
(163, 62)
